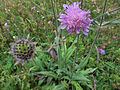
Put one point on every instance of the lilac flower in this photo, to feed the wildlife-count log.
(49, 22)
(75, 19)
(102, 51)
(33, 8)
(114, 25)
(6, 25)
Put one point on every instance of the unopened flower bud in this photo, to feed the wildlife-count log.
(114, 37)
(6, 25)
(109, 42)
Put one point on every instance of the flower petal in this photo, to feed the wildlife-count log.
(86, 30)
(60, 20)
(62, 16)
(85, 33)
(78, 31)
(65, 6)
(63, 26)
(103, 52)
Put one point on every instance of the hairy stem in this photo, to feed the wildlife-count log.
(76, 49)
(54, 17)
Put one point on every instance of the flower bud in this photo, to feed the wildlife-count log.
(103, 46)
(114, 85)
(53, 54)
(6, 25)
(100, 38)
(109, 42)
(114, 37)
(102, 51)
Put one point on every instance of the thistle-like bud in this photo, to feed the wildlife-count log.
(53, 54)
(23, 50)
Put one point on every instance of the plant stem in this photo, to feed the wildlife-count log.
(107, 12)
(10, 35)
(77, 47)
(68, 1)
(64, 53)
(77, 39)
(2, 32)
(54, 17)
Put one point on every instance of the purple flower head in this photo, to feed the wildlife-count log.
(49, 22)
(33, 8)
(6, 25)
(102, 51)
(114, 25)
(75, 19)
(114, 37)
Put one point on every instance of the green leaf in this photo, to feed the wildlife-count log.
(48, 87)
(79, 77)
(83, 63)
(117, 51)
(2, 14)
(34, 68)
(28, 85)
(91, 28)
(65, 84)
(70, 50)
(116, 21)
(48, 73)
(89, 70)
(77, 85)
(64, 70)
(59, 87)
(111, 22)
(41, 81)
(65, 77)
